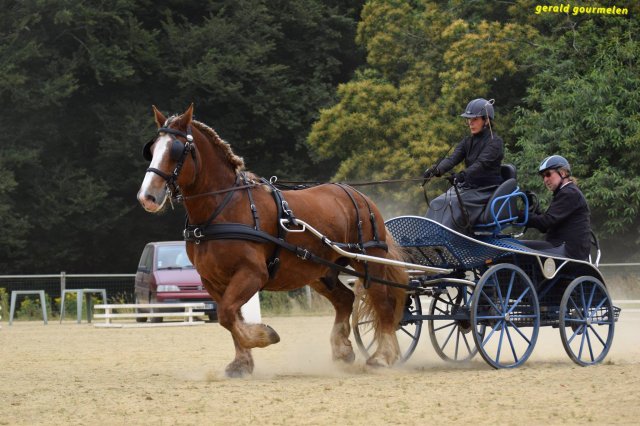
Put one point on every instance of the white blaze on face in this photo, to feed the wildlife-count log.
(153, 185)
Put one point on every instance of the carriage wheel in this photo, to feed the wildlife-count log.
(587, 321)
(505, 316)
(408, 331)
(451, 338)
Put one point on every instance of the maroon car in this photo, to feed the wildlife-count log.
(165, 275)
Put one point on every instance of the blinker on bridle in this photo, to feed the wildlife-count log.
(177, 152)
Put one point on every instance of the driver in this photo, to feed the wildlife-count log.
(482, 152)
(567, 220)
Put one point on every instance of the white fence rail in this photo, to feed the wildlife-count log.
(156, 310)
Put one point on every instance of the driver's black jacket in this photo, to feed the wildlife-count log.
(567, 220)
(482, 155)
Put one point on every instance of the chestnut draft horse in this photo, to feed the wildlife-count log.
(240, 244)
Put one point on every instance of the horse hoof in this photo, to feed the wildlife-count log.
(238, 369)
(273, 336)
(235, 372)
(377, 363)
(347, 358)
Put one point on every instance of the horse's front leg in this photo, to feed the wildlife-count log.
(245, 336)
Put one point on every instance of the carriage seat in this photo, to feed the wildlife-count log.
(501, 209)
(508, 171)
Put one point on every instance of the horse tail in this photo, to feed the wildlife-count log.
(396, 274)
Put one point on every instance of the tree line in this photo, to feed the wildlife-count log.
(302, 89)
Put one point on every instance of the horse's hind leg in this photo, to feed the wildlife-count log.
(384, 304)
(342, 300)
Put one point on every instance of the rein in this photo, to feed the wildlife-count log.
(305, 184)
(284, 184)
(179, 198)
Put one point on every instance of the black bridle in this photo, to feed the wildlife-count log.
(177, 152)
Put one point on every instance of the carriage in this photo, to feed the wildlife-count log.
(489, 293)
(496, 293)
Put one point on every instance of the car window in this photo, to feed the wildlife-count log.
(172, 257)
(146, 259)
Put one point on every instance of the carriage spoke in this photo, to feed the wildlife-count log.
(586, 333)
(446, 341)
(499, 291)
(593, 292)
(499, 350)
(517, 302)
(581, 342)
(577, 309)
(516, 328)
(584, 302)
(577, 332)
(466, 343)
(597, 334)
(445, 326)
(484, 342)
(513, 276)
(513, 348)
(442, 311)
(490, 301)
(405, 331)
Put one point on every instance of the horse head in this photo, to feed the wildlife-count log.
(173, 160)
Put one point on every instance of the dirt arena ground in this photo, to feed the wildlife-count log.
(79, 375)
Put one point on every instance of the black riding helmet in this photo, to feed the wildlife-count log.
(479, 108)
(554, 162)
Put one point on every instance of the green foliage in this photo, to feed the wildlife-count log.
(583, 104)
(31, 308)
(71, 305)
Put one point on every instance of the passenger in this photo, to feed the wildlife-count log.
(482, 152)
(567, 221)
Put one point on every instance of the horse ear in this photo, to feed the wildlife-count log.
(160, 119)
(188, 115)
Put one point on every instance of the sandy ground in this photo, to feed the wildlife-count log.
(78, 374)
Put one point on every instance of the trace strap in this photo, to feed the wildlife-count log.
(238, 231)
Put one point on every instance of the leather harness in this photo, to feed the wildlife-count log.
(239, 231)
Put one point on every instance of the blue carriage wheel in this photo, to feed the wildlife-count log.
(505, 316)
(451, 334)
(408, 331)
(587, 321)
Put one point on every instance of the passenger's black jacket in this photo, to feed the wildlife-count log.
(482, 157)
(567, 220)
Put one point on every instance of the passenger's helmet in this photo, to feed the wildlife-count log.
(479, 108)
(554, 162)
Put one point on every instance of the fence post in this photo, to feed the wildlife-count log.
(63, 287)
(308, 292)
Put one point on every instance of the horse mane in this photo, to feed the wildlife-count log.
(237, 163)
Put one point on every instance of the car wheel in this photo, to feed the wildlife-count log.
(140, 311)
(153, 299)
